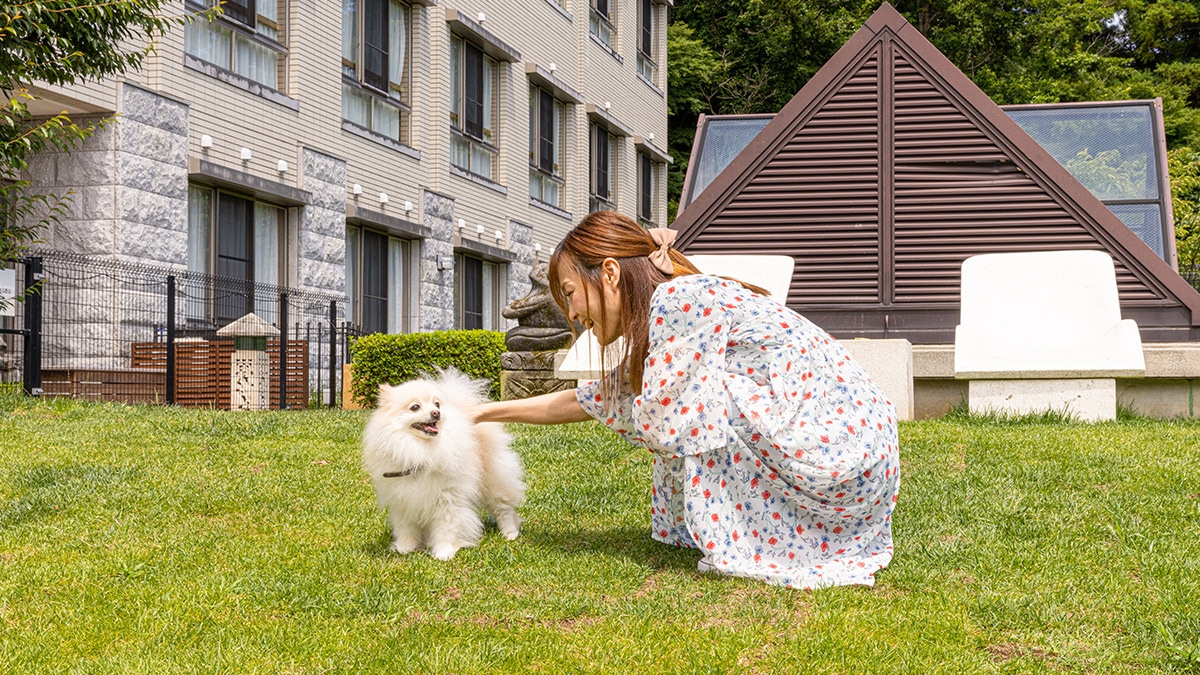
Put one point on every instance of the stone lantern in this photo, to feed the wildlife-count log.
(249, 368)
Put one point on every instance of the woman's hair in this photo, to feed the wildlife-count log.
(608, 234)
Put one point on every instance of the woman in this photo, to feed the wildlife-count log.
(774, 452)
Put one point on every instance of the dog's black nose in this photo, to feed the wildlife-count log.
(436, 414)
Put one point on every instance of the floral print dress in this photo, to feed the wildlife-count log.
(775, 453)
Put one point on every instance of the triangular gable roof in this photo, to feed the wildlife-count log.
(886, 171)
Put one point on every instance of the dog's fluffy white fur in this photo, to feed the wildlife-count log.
(456, 466)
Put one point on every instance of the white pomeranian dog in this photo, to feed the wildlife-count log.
(433, 467)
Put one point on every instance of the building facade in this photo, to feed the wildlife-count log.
(417, 156)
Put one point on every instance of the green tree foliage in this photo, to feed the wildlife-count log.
(58, 42)
(1027, 51)
(1184, 166)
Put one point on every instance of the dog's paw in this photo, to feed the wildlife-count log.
(404, 546)
(443, 551)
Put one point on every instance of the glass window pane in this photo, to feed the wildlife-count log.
(488, 122)
(199, 229)
(387, 120)
(535, 184)
(550, 192)
(350, 34)
(481, 160)
(268, 10)
(397, 49)
(456, 83)
(1110, 148)
(267, 230)
(208, 41)
(257, 63)
(356, 106)
(488, 295)
(1146, 222)
(397, 258)
(460, 152)
(352, 235)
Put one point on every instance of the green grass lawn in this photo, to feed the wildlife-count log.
(162, 540)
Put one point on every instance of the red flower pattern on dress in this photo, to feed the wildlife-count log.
(798, 420)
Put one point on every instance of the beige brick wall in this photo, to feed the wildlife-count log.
(543, 34)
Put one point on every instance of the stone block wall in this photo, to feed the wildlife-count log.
(520, 243)
(437, 286)
(151, 177)
(322, 236)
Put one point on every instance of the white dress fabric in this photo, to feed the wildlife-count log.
(775, 453)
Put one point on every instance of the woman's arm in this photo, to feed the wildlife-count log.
(556, 408)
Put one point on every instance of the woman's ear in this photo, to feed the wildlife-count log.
(610, 274)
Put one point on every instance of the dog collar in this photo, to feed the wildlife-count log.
(399, 474)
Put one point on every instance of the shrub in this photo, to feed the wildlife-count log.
(380, 358)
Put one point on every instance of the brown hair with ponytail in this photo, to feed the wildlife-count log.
(608, 234)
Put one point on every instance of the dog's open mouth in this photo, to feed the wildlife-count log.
(427, 428)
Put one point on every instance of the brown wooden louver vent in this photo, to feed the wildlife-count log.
(890, 168)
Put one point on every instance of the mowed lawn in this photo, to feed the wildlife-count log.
(161, 540)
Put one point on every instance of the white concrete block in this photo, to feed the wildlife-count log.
(1090, 400)
(1049, 314)
(890, 364)
(771, 272)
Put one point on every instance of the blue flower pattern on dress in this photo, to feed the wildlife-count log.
(775, 453)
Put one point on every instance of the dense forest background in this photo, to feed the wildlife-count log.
(752, 56)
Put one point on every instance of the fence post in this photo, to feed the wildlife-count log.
(33, 327)
(170, 339)
(283, 333)
(332, 353)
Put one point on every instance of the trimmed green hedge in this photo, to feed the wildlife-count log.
(393, 359)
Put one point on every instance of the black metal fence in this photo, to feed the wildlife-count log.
(104, 329)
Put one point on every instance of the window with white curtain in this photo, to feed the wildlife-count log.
(602, 21)
(647, 170)
(240, 242)
(247, 39)
(375, 63)
(602, 183)
(472, 108)
(479, 287)
(379, 280)
(546, 115)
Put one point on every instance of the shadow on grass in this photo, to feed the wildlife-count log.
(630, 543)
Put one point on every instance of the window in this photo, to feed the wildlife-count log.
(472, 112)
(645, 48)
(478, 293)
(602, 22)
(646, 188)
(378, 278)
(247, 39)
(240, 241)
(375, 40)
(545, 146)
(602, 178)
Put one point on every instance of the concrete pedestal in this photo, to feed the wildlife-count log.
(528, 374)
(1089, 400)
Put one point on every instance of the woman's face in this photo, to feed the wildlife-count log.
(584, 300)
